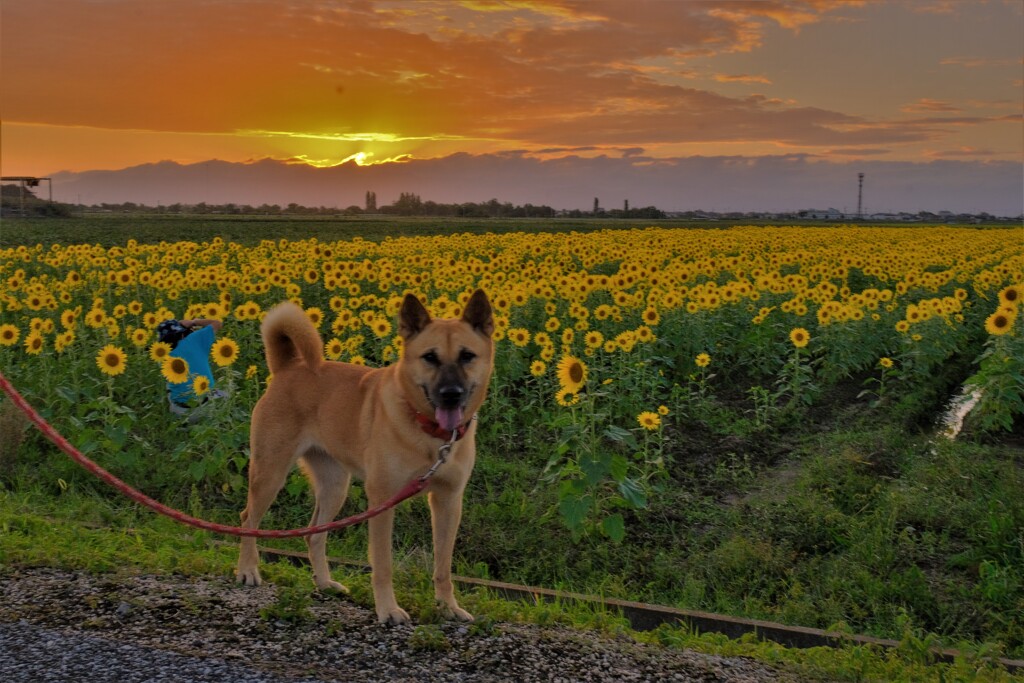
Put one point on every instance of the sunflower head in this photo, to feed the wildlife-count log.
(702, 360)
(140, 336)
(519, 336)
(572, 373)
(333, 349)
(175, 370)
(565, 398)
(200, 385)
(799, 337)
(649, 420)
(1010, 295)
(999, 323)
(593, 339)
(9, 335)
(111, 360)
(34, 343)
(224, 352)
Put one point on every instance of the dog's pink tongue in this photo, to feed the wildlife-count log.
(448, 418)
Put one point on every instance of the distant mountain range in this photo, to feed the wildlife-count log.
(770, 183)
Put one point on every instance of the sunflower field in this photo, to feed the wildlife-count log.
(611, 345)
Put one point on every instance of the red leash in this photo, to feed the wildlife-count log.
(408, 491)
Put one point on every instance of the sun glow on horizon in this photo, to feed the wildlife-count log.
(359, 158)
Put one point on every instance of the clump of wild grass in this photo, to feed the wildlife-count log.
(13, 426)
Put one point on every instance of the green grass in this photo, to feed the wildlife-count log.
(113, 229)
(75, 532)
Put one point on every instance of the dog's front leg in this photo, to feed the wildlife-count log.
(388, 611)
(445, 517)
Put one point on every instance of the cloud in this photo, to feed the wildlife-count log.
(741, 78)
(961, 152)
(500, 72)
(929, 105)
(978, 62)
(856, 152)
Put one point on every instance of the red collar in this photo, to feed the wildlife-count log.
(431, 428)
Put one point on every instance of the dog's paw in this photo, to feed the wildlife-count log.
(332, 587)
(456, 613)
(249, 577)
(394, 616)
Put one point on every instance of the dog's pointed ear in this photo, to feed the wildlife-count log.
(478, 313)
(412, 318)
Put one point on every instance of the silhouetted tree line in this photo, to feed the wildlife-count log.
(644, 212)
(407, 204)
(410, 204)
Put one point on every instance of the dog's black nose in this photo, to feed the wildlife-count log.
(451, 395)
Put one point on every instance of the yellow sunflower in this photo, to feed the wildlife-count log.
(9, 335)
(332, 349)
(175, 370)
(648, 420)
(381, 327)
(702, 360)
(63, 340)
(519, 336)
(565, 398)
(111, 360)
(999, 323)
(140, 336)
(96, 318)
(885, 362)
(799, 336)
(572, 373)
(315, 315)
(34, 343)
(200, 385)
(593, 339)
(1010, 295)
(159, 351)
(538, 368)
(224, 352)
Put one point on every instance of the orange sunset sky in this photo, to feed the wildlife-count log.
(108, 84)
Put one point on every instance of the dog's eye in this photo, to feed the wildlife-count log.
(431, 358)
(466, 356)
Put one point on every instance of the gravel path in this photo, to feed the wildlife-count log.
(67, 626)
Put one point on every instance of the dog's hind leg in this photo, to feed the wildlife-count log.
(330, 483)
(268, 469)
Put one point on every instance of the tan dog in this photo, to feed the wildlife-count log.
(380, 425)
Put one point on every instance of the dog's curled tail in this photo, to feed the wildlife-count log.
(289, 337)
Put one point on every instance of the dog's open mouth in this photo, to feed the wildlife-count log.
(448, 418)
(448, 410)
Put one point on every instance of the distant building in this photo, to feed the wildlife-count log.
(822, 214)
